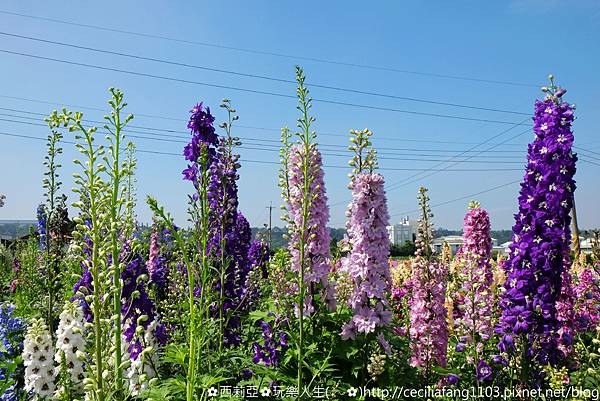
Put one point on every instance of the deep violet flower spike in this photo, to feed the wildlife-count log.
(540, 247)
(203, 137)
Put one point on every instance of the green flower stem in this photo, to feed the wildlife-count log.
(91, 173)
(114, 239)
(304, 123)
(195, 349)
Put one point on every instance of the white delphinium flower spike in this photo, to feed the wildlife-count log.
(38, 358)
(70, 343)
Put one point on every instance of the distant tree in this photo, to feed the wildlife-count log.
(2, 198)
(406, 249)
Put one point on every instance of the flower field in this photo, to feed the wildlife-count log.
(95, 306)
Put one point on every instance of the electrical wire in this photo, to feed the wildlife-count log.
(269, 53)
(264, 77)
(254, 91)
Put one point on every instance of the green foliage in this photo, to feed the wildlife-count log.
(404, 250)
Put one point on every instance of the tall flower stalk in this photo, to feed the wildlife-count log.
(51, 227)
(367, 264)
(476, 275)
(104, 220)
(118, 171)
(428, 326)
(307, 216)
(230, 233)
(539, 252)
(474, 324)
(200, 152)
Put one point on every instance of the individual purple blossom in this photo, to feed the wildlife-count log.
(452, 379)
(484, 371)
(315, 235)
(540, 246)
(367, 264)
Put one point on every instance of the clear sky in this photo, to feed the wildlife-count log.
(518, 42)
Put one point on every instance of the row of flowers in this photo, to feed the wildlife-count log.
(170, 312)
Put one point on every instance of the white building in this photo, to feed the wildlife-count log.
(504, 249)
(455, 242)
(586, 245)
(404, 231)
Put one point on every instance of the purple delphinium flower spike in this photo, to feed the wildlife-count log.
(539, 252)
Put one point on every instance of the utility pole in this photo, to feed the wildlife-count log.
(270, 207)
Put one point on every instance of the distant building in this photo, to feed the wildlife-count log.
(404, 231)
(586, 245)
(455, 242)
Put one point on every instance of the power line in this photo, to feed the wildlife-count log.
(274, 79)
(254, 91)
(416, 176)
(470, 196)
(272, 162)
(277, 163)
(272, 143)
(321, 133)
(587, 151)
(269, 53)
(454, 163)
(275, 149)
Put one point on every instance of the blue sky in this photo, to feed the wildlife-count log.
(513, 41)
